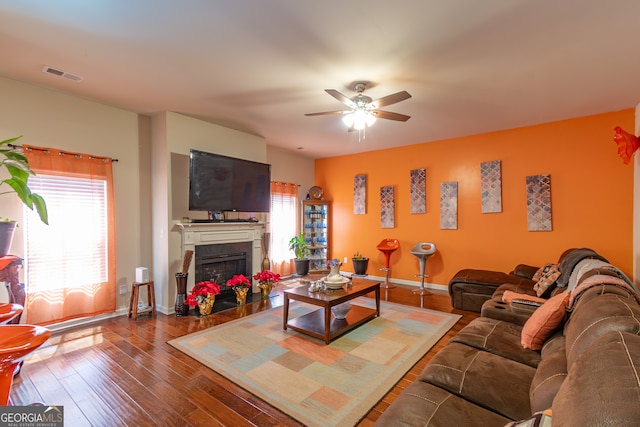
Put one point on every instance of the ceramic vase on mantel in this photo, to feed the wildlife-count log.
(206, 307)
(241, 295)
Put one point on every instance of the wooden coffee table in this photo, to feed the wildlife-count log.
(319, 323)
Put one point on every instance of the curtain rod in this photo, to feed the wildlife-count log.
(64, 152)
(287, 183)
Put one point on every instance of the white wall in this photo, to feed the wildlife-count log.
(150, 177)
(52, 119)
(173, 136)
(287, 166)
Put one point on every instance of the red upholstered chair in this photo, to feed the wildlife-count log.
(387, 247)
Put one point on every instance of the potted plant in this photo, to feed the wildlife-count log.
(17, 167)
(298, 245)
(203, 295)
(360, 264)
(240, 285)
(266, 280)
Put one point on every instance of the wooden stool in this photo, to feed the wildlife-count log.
(133, 302)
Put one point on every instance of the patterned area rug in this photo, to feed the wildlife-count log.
(318, 384)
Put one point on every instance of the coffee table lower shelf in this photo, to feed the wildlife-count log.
(312, 324)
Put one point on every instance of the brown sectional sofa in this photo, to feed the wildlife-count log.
(587, 372)
(471, 288)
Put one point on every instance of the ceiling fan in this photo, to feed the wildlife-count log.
(363, 111)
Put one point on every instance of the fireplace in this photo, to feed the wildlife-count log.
(220, 262)
(222, 250)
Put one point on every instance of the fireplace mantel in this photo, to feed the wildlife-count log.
(195, 234)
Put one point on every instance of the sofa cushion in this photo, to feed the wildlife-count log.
(544, 321)
(510, 296)
(498, 337)
(602, 387)
(470, 288)
(423, 404)
(497, 383)
(513, 313)
(596, 315)
(550, 374)
(524, 287)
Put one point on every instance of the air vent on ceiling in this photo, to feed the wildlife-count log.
(60, 73)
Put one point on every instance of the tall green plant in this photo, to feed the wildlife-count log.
(298, 245)
(19, 171)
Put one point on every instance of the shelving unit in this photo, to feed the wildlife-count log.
(315, 214)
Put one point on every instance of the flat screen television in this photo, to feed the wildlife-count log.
(223, 184)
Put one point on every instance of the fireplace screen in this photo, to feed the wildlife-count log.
(220, 262)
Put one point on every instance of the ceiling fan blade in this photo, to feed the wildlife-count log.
(326, 112)
(390, 99)
(340, 97)
(390, 116)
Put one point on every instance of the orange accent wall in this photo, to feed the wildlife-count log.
(591, 198)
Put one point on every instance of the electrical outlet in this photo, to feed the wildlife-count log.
(124, 289)
(345, 260)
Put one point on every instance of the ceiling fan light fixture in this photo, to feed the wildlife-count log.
(358, 119)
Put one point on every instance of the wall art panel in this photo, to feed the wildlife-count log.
(491, 183)
(360, 194)
(539, 203)
(418, 191)
(387, 206)
(449, 206)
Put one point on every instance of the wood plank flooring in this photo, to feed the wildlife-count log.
(121, 372)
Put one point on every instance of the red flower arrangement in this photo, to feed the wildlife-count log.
(201, 291)
(267, 276)
(239, 281)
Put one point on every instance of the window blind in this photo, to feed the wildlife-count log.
(71, 252)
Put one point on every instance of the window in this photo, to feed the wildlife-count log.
(72, 251)
(284, 225)
(70, 263)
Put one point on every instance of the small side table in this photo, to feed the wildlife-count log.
(133, 301)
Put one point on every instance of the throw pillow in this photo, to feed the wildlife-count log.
(546, 279)
(544, 321)
(537, 274)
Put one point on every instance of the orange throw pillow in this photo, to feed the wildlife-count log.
(544, 321)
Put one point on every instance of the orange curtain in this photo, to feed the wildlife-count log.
(52, 306)
(284, 225)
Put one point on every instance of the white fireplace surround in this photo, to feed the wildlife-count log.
(196, 234)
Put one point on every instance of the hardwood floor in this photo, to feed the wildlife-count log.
(121, 372)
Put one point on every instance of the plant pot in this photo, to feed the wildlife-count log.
(360, 266)
(6, 236)
(265, 290)
(206, 307)
(241, 295)
(302, 266)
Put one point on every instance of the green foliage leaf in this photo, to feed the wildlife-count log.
(17, 164)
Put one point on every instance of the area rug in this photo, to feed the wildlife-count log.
(318, 384)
